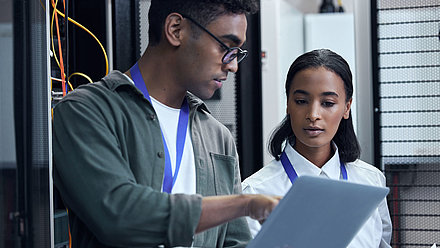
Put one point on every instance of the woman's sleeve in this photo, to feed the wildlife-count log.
(254, 225)
(385, 217)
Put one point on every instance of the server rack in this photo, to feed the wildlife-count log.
(115, 24)
(406, 73)
(28, 207)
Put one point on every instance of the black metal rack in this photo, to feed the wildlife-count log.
(406, 73)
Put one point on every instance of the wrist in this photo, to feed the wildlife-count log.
(246, 204)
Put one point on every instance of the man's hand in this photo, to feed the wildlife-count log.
(217, 210)
(260, 206)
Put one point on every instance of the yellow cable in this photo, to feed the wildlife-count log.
(54, 52)
(88, 31)
(70, 85)
(80, 74)
(51, 36)
(59, 80)
(68, 79)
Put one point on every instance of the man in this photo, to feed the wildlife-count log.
(135, 152)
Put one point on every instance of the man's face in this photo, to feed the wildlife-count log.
(202, 70)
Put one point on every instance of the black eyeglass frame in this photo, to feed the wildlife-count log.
(240, 54)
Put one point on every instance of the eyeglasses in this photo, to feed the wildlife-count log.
(231, 52)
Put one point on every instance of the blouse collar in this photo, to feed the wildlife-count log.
(302, 166)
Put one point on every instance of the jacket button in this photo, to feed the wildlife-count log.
(152, 117)
(160, 154)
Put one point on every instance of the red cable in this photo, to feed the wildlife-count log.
(395, 208)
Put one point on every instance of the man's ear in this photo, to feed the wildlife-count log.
(173, 29)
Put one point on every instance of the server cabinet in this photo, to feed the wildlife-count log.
(25, 161)
(406, 67)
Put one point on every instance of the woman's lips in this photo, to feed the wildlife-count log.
(313, 131)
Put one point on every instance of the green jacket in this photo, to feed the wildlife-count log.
(109, 165)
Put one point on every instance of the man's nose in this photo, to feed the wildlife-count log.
(231, 66)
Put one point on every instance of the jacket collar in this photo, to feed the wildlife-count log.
(116, 79)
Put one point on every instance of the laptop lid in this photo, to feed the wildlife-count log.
(319, 212)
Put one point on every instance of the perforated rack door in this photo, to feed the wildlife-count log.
(406, 73)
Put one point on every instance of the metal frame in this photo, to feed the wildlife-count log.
(249, 113)
(21, 114)
(126, 33)
(376, 93)
(32, 218)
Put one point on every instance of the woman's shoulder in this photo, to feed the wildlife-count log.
(264, 178)
(364, 172)
(362, 165)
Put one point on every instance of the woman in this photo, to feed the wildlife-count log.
(317, 138)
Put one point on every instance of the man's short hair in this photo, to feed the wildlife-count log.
(203, 11)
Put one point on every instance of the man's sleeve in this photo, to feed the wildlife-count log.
(96, 182)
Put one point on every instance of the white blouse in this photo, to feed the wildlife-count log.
(273, 180)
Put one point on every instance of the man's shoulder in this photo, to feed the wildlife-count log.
(196, 103)
(202, 110)
(92, 92)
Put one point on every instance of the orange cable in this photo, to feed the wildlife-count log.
(64, 90)
(68, 229)
(61, 59)
(63, 78)
(88, 31)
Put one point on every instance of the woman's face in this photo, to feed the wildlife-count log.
(316, 105)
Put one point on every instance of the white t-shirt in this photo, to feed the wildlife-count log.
(273, 180)
(168, 119)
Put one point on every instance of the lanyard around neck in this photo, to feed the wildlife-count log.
(169, 179)
(291, 173)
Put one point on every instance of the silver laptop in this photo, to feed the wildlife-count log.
(318, 213)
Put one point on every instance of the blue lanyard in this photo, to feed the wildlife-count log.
(291, 173)
(169, 179)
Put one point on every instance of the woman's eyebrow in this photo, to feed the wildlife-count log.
(329, 93)
(301, 92)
